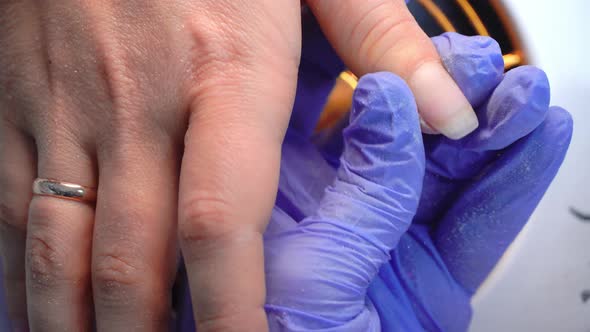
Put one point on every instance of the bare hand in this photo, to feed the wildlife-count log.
(174, 111)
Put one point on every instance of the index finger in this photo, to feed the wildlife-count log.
(239, 111)
(382, 35)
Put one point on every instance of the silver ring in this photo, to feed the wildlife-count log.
(64, 190)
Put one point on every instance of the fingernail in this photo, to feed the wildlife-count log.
(441, 103)
(426, 128)
(461, 124)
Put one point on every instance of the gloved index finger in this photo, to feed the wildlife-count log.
(379, 179)
(335, 253)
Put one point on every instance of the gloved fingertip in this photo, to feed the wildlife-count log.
(561, 123)
(384, 124)
(379, 100)
(518, 106)
(474, 62)
(532, 82)
(383, 144)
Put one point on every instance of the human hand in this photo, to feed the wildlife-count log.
(478, 193)
(110, 89)
(129, 97)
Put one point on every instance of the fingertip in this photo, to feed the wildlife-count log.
(382, 165)
(518, 105)
(460, 124)
(527, 75)
(383, 138)
(558, 128)
(450, 43)
(440, 101)
(427, 128)
(562, 115)
(384, 100)
(531, 82)
(560, 124)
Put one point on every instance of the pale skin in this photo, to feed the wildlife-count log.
(175, 111)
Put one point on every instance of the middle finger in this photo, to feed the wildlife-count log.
(134, 253)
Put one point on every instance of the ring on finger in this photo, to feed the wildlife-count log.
(64, 190)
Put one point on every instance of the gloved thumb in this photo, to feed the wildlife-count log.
(318, 272)
(382, 35)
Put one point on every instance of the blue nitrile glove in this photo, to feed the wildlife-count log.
(331, 231)
(478, 194)
(474, 201)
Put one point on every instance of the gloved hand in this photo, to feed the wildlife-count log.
(478, 193)
(318, 270)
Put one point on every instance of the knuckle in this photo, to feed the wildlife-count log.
(381, 23)
(208, 225)
(217, 41)
(10, 218)
(219, 51)
(204, 219)
(133, 107)
(114, 275)
(226, 320)
(45, 261)
(46, 255)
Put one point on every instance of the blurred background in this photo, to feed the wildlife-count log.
(543, 283)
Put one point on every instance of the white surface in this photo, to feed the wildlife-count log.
(537, 285)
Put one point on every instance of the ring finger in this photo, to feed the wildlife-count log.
(59, 235)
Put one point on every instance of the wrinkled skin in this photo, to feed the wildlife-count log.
(131, 97)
